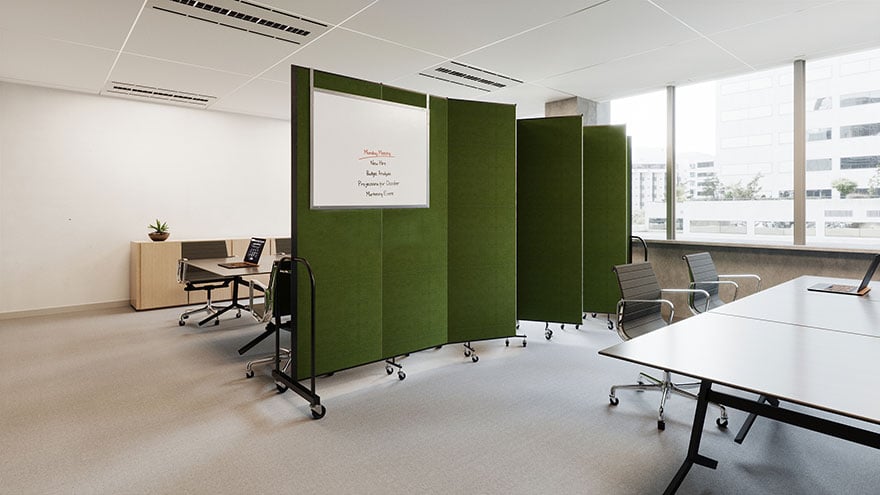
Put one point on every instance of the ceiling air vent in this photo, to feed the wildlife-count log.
(472, 77)
(141, 92)
(242, 15)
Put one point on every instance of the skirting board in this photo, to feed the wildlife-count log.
(9, 315)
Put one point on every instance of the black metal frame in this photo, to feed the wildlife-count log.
(813, 423)
(290, 381)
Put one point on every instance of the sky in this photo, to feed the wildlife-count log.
(645, 118)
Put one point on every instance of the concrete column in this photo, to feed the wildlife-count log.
(575, 105)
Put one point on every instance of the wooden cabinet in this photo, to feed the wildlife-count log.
(153, 274)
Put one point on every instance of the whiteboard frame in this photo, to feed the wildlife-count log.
(426, 108)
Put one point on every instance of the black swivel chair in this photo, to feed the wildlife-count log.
(639, 311)
(276, 305)
(283, 245)
(196, 279)
(703, 275)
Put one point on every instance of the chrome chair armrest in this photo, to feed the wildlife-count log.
(745, 275)
(621, 302)
(691, 291)
(718, 282)
(181, 270)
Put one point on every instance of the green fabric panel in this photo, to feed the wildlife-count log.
(549, 239)
(482, 220)
(405, 96)
(606, 217)
(349, 85)
(414, 258)
(344, 248)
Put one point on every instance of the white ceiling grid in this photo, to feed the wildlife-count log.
(595, 49)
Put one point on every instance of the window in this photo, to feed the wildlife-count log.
(860, 98)
(645, 119)
(818, 164)
(850, 162)
(822, 134)
(839, 199)
(739, 194)
(860, 130)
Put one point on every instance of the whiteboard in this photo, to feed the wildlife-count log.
(367, 153)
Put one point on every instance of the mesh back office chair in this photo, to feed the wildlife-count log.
(196, 279)
(639, 311)
(275, 310)
(703, 275)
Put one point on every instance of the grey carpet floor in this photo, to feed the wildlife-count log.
(115, 401)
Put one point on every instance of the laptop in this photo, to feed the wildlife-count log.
(861, 290)
(251, 256)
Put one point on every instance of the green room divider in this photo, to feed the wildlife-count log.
(482, 221)
(395, 281)
(549, 237)
(606, 214)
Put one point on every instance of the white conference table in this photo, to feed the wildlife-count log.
(821, 360)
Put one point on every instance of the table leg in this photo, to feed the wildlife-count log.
(747, 424)
(693, 454)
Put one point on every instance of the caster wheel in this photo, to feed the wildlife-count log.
(506, 342)
(389, 370)
(721, 422)
(467, 353)
(517, 326)
(548, 334)
(475, 358)
(318, 411)
(181, 323)
(577, 327)
(524, 343)
(562, 326)
(249, 374)
(216, 322)
(280, 388)
(610, 325)
(593, 315)
(661, 425)
(613, 400)
(401, 375)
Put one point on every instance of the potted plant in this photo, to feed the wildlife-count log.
(159, 231)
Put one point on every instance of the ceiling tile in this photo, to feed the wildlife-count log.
(352, 54)
(101, 23)
(43, 62)
(321, 10)
(453, 27)
(180, 39)
(258, 97)
(436, 87)
(826, 30)
(529, 99)
(712, 17)
(147, 71)
(605, 32)
(692, 61)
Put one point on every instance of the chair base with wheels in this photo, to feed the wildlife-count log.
(209, 306)
(665, 386)
(640, 311)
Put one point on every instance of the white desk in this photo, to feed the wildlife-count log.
(792, 303)
(832, 371)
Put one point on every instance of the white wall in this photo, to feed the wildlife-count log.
(81, 176)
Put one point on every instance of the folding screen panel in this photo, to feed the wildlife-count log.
(606, 214)
(482, 220)
(549, 236)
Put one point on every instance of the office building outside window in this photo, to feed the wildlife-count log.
(734, 158)
(645, 119)
(843, 197)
